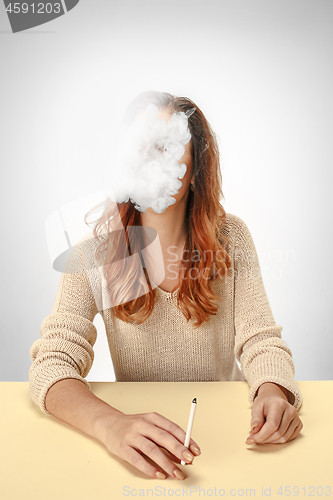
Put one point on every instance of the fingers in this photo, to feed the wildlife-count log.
(257, 417)
(256, 427)
(292, 432)
(276, 424)
(194, 448)
(144, 435)
(135, 458)
(166, 439)
(153, 452)
(296, 431)
(282, 424)
(175, 430)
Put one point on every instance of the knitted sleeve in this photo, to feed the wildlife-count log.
(259, 348)
(68, 335)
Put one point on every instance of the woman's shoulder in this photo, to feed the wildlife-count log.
(81, 256)
(233, 227)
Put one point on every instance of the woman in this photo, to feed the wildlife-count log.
(211, 308)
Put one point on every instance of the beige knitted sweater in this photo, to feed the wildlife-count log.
(165, 347)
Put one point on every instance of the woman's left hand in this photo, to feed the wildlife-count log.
(274, 419)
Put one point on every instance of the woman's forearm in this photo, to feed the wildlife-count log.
(123, 435)
(72, 402)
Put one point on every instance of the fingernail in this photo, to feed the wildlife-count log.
(195, 450)
(249, 441)
(178, 474)
(188, 456)
(160, 475)
(253, 426)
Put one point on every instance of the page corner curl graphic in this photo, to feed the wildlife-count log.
(24, 15)
(72, 249)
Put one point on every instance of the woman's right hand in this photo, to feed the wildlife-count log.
(128, 436)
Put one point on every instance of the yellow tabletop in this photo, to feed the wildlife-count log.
(43, 458)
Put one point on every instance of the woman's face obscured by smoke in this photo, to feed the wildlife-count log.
(186, 160)
(154, 154)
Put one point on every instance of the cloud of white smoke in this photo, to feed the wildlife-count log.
(147, 161)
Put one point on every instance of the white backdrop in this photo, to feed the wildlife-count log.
(262, 74)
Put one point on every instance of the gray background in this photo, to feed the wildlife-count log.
(262, 74)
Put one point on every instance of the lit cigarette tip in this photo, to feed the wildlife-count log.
(194, 400)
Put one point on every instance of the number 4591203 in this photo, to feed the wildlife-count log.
(41, 8)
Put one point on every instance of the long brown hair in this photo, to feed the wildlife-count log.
(204, 218)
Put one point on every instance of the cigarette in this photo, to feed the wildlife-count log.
(190, 425)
